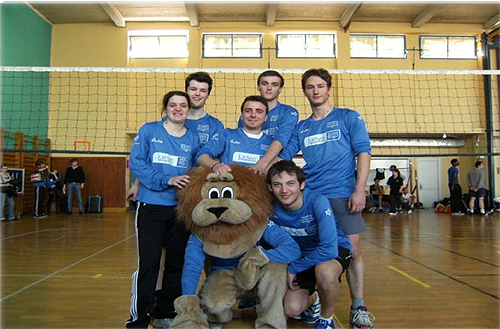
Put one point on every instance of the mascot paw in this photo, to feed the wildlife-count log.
(189, 314)
(248, 271)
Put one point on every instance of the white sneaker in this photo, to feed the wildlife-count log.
(393, 213)
(361, 318)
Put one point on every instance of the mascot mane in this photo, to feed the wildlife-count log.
(252, 190)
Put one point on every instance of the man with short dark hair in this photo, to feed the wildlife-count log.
(331, 140)
(245, 145)
(74, 182)
(281, 119)
(325, 249)
(455, 189)
(477, 188)
(198, 87)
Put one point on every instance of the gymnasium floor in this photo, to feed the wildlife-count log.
(424, 270)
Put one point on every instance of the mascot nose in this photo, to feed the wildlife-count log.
(217, 211)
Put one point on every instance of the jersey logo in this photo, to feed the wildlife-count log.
(270, 223)
(172, 160)
(306, 219)
(328, 212)
(186, 148)
(155, 140)
(203, 138)
(243, 157)
(235, 141)
(303, 131)
(319, 139)
(301, 231)
(203, 127)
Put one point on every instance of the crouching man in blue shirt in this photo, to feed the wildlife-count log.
(325, 249)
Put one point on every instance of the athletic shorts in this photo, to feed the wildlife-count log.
(307, 279)
(480, 193)
(351, 223)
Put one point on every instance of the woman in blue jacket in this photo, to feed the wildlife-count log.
(162, 152)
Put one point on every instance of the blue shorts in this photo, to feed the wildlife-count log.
(480, 193)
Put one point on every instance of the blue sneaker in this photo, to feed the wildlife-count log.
(324, 324)
(312, 313)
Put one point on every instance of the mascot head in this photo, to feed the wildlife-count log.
(220, 208)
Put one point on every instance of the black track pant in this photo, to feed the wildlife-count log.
(39, 200)
(156, 227)
(455, 198)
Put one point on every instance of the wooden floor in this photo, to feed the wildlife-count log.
(424, 270)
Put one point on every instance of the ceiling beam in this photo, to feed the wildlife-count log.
(114, 14)
(192, 12)
(271, 11)
(347, 15)
(492, 21)
(426, 14)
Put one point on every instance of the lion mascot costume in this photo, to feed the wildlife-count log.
(228, 215)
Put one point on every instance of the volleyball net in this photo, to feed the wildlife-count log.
(99, 110)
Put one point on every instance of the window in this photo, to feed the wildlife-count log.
(232, 45)
(448, 47)
(158, 44)
(305, 45)
(378, 46)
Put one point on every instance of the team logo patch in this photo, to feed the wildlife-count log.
(203, 138)
(273, 118)
(247, 158)
(186, 148)
(172, 160)
(306, 219)
(319, 139)
(332, 124)
(203, 127)
(264, 147)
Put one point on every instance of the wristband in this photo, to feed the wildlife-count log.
(213, 166)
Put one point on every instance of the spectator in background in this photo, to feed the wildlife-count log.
(377, 192)
(408, 200)
(392, 168)
(74, 182)
(477, 189)
(39, 176)
(455, 189)
(395, 182)
(54, 189)
(5, 196)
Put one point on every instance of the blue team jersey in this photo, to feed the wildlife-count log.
(279, 124)
(284, 250)
(156, 156)
(315, 230)
(329, 147)
(234, 146)
(205, 127)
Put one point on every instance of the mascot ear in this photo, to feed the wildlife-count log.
(222, 177)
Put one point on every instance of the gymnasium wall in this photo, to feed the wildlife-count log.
(419, 108)
(25, 40)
